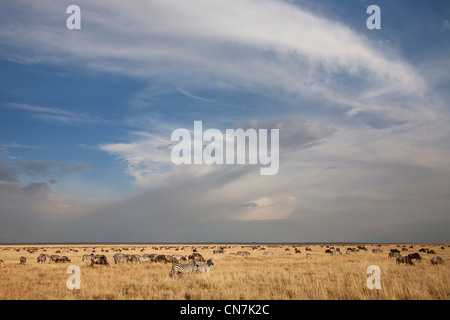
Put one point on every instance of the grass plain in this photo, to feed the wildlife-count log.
(285, 275)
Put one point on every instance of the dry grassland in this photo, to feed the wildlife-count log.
(285, 275)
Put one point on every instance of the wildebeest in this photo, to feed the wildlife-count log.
(63, 259)
(376, 250)
(437, 260)
(218, 251)
(197, 257)
(170, 259)
(23, 260)
(328, 251)
(54, 258)
(99, 259)
(405, 259)
(415, 256)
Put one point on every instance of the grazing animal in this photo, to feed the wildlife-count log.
(120, 258)
(243, 253)
(144, 259)
(405, 260)
(88, 257)
(179, 257)
(415, 256)
(337, 252)
(328, 251)
(2, 264)
(308, 256)
(99, 259)
(204, 267)
(394, 255)
(54, 258)
(197, 256)
(23, 260)
(184, 268)
(437, 260)
(160, 258)
(377, 250)
(63, 259)
(268, 253)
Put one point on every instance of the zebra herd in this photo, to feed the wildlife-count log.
(192, 267)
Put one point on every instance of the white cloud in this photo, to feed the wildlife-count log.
(53, 114)
(244, 43)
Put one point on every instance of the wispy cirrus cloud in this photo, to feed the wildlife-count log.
(268, 44)
(53, 114)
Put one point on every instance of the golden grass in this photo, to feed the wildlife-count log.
(283, 276)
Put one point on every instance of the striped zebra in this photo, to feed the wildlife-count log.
(184, 268)
(204, 267)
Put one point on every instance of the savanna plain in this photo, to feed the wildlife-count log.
(287, 274)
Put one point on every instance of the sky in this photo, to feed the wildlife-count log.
(86, 117)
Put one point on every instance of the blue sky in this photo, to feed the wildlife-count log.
(86, 117)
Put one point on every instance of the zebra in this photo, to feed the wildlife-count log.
(43, 257)
(143, 259)
(204, 267)
(184, 268)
